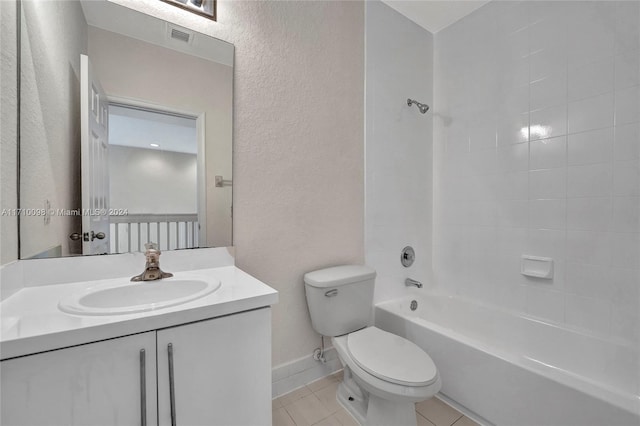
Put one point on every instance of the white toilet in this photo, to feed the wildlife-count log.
(384, 374)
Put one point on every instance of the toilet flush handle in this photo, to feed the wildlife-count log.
(332, 293)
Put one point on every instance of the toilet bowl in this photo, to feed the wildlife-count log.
(393, 376)
(384, 374)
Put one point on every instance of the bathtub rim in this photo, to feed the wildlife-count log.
(618, 398)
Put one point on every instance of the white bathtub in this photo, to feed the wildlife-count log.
(517, 370)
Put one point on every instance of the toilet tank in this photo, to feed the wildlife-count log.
(340, 299)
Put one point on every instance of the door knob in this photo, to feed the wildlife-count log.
(76, 236)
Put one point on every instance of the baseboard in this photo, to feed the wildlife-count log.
(464, 410)
(297, 373)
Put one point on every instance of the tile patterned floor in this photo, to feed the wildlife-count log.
(316, 404)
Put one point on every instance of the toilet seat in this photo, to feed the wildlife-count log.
(391, 358)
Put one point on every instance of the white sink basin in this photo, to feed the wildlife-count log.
(132, 297)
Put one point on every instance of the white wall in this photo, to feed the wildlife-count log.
(399, 65)
(536, 152)
(298, 194)
(50, 121)
(147, 181)
(8, 131)
(137, 70)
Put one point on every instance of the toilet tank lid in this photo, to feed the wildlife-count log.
(339, 275)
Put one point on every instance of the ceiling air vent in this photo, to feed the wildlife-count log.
(180, 34)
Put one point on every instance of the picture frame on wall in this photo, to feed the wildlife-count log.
(206, 8)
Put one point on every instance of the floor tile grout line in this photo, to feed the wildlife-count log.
(430, 422)
(458, 419)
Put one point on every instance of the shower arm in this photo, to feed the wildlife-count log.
(422, 107)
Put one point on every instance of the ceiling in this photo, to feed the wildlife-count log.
(435, 15)
(138, 128)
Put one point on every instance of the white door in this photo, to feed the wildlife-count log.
(105, 383)
(94, 144)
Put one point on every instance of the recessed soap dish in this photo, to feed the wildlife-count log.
(537, 267)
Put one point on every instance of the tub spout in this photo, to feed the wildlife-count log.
(409, 282)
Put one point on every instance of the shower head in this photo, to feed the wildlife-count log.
(422, 107)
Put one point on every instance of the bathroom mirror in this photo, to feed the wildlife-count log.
(125, 132)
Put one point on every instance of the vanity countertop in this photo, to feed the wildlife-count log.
(31, 321)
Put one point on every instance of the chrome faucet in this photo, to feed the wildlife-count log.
(409, 282)
(152, 269)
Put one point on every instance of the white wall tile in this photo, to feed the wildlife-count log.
(625, 250)
(548, 91)
(627, 30)
(512, 213)
(546, 62)
(482, 134)
(626, 178)
(398, 203)
(625, 324)
(547, 243)
(548, 122)
(545, 303)
(626, 214)
(589, 313)
(590, 35)
(561, 93)
(511, 296)
(593, 180)
(513, 17)
(514, 45)
(548, 153)
(512, 127)
(513, 158)
(589, 247)
(627, 70)
(547, 214)
(595, 146)
(627, 142)
(627, 105)
(591, 113)
(592, 214)
(510, 241)
(484, 162)
(548, 32)
(548, 10)
(548, 183)
(589, 280)
(624, 288)
(591, 79)
(511, 185)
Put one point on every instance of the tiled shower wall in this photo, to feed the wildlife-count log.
(536, 151)
(398, 65)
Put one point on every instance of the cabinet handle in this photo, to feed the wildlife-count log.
(143, 388)
(172, 396)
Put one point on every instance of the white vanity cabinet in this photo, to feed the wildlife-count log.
(221, 370)
(93, 384)
(221, 376)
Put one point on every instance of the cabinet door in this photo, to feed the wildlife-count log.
(93, 384)
(222, 371)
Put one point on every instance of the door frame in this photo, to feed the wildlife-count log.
(200, 118)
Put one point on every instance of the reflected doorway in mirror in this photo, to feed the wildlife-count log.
(155, 175)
